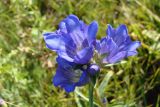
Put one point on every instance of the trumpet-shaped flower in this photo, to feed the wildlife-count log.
(117, 45)
(69, 74)
(74, 40)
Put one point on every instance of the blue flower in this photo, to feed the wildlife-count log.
(69, 74)
(117, 45)
(74, 40)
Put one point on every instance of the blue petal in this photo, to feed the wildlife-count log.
(122, 30)
(62, 27)
(69, 87)
(119, 56)
(84, 79)
(131, 53)
(110, 31)
(98, 45)
(70, 47)
(59, 78)
(76, 30)
(70, 70)
(92, 31)
(64, 63)
(121, 34)
(63, 54)
(65, 75)
(72, 22)
(54, 41)
(84, 55)
(85, 43)
(108, 46)
(132, 46)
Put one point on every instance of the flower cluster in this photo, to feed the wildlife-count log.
(75, 44)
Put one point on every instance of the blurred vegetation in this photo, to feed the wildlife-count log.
(27, 66)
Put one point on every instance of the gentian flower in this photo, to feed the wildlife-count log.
(117, 45)
(70, 74)
(74, 40)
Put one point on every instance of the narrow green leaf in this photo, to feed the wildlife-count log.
(122, 62)
(84, 97)
(104, 83)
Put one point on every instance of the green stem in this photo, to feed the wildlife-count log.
(91, 87)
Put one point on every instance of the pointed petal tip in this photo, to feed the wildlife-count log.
(138, 43)
(95, 22)
(122, 27)
(92, 31)
(46, 34)
(72, 22)
(72, 15)
(109, 25)
(110, 30)
(69, 87)
(55, 83)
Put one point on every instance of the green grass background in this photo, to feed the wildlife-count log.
(27, 66)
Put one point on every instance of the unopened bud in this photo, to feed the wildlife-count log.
(93, 69)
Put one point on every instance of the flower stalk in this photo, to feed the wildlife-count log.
(92, 83)
(91, 89)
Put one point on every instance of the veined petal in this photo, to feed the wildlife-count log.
(75, 29)
(84, 79)
(54, 41)
(64, 63)
(63, 54)
(122, 30)
(62, 27)
(58, 78)
(119, 56)
(72, 22)
(131, 53)
(68, 87)
(132, 46)
(108, 46)
(98, 45)
(110, 31)
(84, 55)
(69, 75)
(119, 35)
(92, 31)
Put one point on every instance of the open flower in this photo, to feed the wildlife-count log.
(117, 45)
(75, 43)
(69, 74)
(74, 40)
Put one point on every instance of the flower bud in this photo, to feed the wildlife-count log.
(93, 69)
